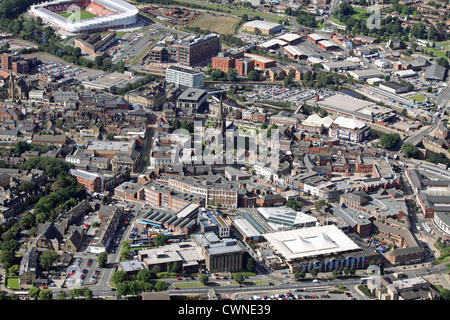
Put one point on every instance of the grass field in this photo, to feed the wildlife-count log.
(219, 24)
(13, 284)
(83, 15)
(230, 9)
(418, 98)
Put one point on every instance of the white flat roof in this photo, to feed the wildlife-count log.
(316, 36)
(272, 43)
(327, 43)
(312, 241)
(349, 123)
(289, 36)
(245, 227)
(260, 24)
(294, 50)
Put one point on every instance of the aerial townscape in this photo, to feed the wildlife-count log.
(232, 150)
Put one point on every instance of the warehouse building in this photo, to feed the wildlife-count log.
(264, 26)
(393, 87)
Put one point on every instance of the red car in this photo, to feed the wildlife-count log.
(179, 279)
(176, 288)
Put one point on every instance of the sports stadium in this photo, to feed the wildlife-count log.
(86, 15)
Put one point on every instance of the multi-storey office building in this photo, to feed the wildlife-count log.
(185, 78)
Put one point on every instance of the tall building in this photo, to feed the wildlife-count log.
(16, 62)
(185, 78)
(189, 51)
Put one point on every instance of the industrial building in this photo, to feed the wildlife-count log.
(95, 45)
(264, 26)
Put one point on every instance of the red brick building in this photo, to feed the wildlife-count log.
(91, 182)
(223, 63)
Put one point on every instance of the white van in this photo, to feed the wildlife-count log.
(316, 281)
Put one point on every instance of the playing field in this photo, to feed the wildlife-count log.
(418, 98)
(219, 24)
(83, 15)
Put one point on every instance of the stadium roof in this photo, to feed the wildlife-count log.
(126, 15)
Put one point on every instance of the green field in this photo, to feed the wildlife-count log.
(418, 98)
(83, 15)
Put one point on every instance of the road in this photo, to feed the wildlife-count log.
(415, 139)
(223, 287)
(444, 97)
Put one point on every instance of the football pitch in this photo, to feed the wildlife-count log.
(83, 15)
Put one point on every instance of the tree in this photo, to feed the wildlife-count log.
(299, 274)
(176, 124)
(443, 62)
(390, 140)
(409, 150)
(145, 275)
(102, 259)
(203, 279)
(445, 294)
(48, 258)
(33, 293)
(253, 75)
(119, 277)
(76, 292)
(314, 272)
(287, 81)
(176, 267)
(439, 158)
(122, 288)
(11, 245)
(87, 293)
(232, 75)
(46, 294)
(110, 136)
(98, 61)
(161, 286)
(161, 240)
(27, 186)
(251, 264)
(125, 254)
(293, 204)
(239, 278)
(7, 258)
(217, 75)
(14, 269)
(62, 295)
